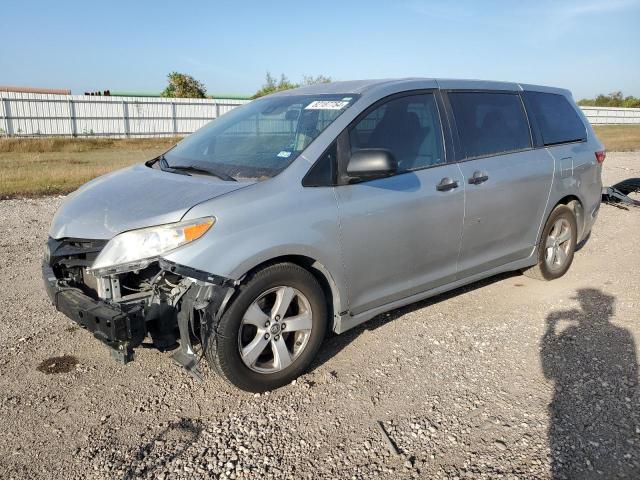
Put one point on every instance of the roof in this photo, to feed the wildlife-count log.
(350, 86)
(362, 86)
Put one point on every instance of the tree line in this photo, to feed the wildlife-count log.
(181, 85)
(615, 99)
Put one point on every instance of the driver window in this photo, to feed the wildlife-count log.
(409, 127)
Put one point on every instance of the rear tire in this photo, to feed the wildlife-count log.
(272, 330)
(557, 245)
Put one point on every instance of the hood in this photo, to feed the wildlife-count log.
(131, 198)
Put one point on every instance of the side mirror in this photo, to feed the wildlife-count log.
(371, 163)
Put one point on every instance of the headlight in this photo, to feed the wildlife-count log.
(136, 249)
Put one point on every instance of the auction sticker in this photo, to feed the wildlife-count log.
(327, 105)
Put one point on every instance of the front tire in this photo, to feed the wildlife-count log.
(557, 245)
(272, 330)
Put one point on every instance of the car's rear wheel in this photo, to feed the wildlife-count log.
(557, 245)
(272, 331)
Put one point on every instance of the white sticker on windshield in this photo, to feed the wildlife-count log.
(327, 105)
(284, 154)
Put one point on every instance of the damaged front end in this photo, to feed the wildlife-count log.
(169, 302)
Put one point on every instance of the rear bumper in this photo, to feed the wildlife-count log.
(122, 328)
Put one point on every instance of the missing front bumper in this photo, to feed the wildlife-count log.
(121, 328)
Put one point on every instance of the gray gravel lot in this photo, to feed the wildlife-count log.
(506, 378)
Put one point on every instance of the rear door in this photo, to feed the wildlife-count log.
(561, 130)
(401, 234)
(507, 181)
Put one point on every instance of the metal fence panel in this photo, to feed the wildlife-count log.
(611, 115)
(32, 114)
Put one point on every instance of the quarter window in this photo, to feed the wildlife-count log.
(322, 173)
(409, 127)
(555, 117)
(490, 123)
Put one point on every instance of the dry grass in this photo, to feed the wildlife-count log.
(64, 144)
(44, 166)
(33, 167)
(619, 138)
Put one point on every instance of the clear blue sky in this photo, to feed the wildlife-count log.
(588, 46)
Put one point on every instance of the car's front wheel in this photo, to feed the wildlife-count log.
(272, 330)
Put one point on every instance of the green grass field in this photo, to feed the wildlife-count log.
(45, 166)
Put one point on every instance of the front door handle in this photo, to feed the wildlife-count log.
(478, 177)
(447, 184)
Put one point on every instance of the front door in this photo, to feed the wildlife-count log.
(401, 234)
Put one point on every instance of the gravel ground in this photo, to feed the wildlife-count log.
(506, 378)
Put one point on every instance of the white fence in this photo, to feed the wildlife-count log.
(32, 114)
(611, 115)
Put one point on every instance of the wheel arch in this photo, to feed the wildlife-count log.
(577, 206)
(318, 270)
(574, 202)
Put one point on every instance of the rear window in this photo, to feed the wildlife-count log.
(490, 123)
(555, 117)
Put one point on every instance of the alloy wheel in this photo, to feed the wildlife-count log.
(275, 329)
(558, 244)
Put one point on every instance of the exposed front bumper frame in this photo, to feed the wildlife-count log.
(120, 327)
(123, 327)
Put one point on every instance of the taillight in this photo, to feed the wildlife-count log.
(600, 155)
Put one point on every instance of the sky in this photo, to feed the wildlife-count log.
(588, 46)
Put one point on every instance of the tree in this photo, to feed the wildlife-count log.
(309, 80)
(272, 85)
(182, 85)
(615, 99)
(612, 100)
(631, 102)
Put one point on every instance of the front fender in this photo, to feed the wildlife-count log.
(265, 222)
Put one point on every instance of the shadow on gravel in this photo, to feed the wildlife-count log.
(595, 412)
(163, 448)
(335, 343)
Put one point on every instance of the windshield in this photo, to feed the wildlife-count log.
(261, 138)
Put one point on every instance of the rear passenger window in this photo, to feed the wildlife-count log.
(555, 117)
(409, 127)
(490, 123)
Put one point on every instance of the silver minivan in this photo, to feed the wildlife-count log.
(318, 208)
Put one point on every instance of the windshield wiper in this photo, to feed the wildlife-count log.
(163, 165)
(184, 169)
(163, 162)
(198, 169)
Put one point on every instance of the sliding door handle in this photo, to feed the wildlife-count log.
(478, 178)
(447, 184)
